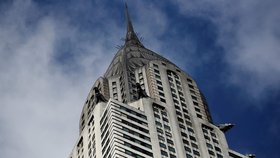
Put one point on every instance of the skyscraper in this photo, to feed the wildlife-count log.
(146, 107)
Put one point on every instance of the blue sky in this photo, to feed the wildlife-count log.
(52, 51)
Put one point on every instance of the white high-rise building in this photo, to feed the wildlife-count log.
(146, 107)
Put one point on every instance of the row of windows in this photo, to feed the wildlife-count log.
(114, 90)
(117, 113)
(91, 139)
(133, 112)
(159, 83)
(133, 154)
(137, 141)
(141, 150)
(178, 98)
(132, 83)
(80, 149)
(164, 132)
(194, 98)
(211, 142)
(133, 132)
(134, 126)
(134, 119)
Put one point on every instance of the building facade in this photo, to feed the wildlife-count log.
(146, 107)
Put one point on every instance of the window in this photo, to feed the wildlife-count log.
(190, 130)
(178, 113)
(187, 117)
(162, 145)
(157, 116)
(213, 134)
(194, 98)
(206, 137)
(186, 142)
(161, 138)
(180, 119)
(157, 76)
(161, 94)
(184, 134)
(209, 145)
(164, 113)
(195, 103)
(159, 82)
(165, 119)
(189, 123)
(204, 130)
(191, 86)
(182, 126)
(218, 149)
(196, 152)
(181, 94)
(197, 109)
(175, 101)
(177, 107)
(168, 134)
(182, 99)
(187, 149)
(167, 127)
(170, 141)
(192, 91)
(192, 138)
(164, 153)
(156, 71)
(115, 95)
(169, 78)
(189, 80)
(215, 141)
(183, 104)
(211, 152)
(114, 89)
(171, 149)
(185, 111)
(138, 149)
(194, 145)
(160, 88)
(159, 130)
(155, 65)
(158, 124)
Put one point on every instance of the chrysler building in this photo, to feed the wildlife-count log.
(144, 106)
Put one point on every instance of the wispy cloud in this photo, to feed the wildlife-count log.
(47, 68)
(248, 32)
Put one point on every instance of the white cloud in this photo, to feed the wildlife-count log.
(249, 34)
(40, 101)
(257, 51)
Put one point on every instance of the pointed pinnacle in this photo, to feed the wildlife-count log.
(131, 37)
(129, 24)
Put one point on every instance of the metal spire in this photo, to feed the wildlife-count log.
(131, 37)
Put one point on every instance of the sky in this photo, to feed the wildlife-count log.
(52, 51)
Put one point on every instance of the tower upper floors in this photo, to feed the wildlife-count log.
(170, 118)
(161, 79)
